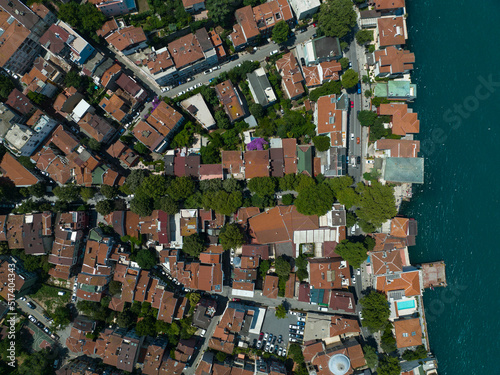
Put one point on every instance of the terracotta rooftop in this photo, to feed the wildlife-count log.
(391, 31)
(290, 154)
(403, 122)
(245, 18)
(279, 223)
(256, 163)
(230, 100)
(399, 148)
(232, 161)
(292, 76)
(399, 227)
(185, 50)
(394, 61)
(270, 288)
(408, 332)
(329, 119)
(96, 127)
(389, 4)
(107, 28)
(407, 281)
(20, 102)
(329, 273)
(16, 172)
(14, 34)
(387, 261)
(126, 37)
(342, 326)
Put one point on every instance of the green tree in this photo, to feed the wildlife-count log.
(221, 11)
(348, 197)
(6, 86)
(194, 298)
(322, 143)
(36, 97)
(221, 356)
(375, 310)
(337, 17)
(344, 63)
(264, 267)
(287, 182)
(87, 193)
(85, 17)
(303, 181)
(280, 32)
(280, 312)
(367, 118)
(328, 88)
(376, 101)
(141, 149)
(295, 124)
(376, 204)
(315, 200)
(4, 248)
(135, 178)
(262, 186)
(223, 202)
(389, 366)
(364, 36)
(193, 245)
(146, 327)
(231, 236)
(222, 120)
(282, 267)
(371, 356)
(168, 205)
(295, 352)
(287, 199)
(73, 79)
(302, 274)
(209, 95)
(141, 205)
(126, 318)
(154, 186)
(104, 207)
(181, 188)
(351, 219)
(256, 110)
(412, 355)
(387, 340)
(61, 316)
(67, 193)
(350, 78)
(94, 144)
(115, 287)
(146, 259)
(37, 363)
(37, 190)
(231, 184)
(353, 252)
(108, 191)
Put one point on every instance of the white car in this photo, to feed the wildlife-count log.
(352, 136)
(353, 281)
(302, 319)
(275, 52)
(22, 298)
(32, 318)
(202, 334)
(266, 335)
(369, 161)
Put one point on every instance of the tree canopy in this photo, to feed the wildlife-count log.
(364, 36)
(108, 191)
(84, 17)
(348, 197)
(350, 78)
(282, 267)
(337, 17)
(375, 310)
(344, 63)
(181, 188)
(328, 88)
(221, 11)
(371, 356)
(262, 186)
(257, 110)
(322, 143)
(223, 202)
(389, 366)
(315, 200)
(146, 259)
(280, 32)
(367, 118)
(280, 312)
(6, 86)
(67, 193)
(104, 207)
(142, 205)
(193, 245)
(231, 236)
(353, 252)
(376, 204)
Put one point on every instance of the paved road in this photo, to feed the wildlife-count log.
(260, 55)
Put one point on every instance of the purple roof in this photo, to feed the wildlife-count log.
(257, 144)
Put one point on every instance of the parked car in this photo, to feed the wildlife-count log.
(32, 318)
(302, 319)
(259, 344)
(303, 61)
(22, 298)
(350, 64)
(293, 326)
(280, 350)
(358, 159)
(301, 323)
(266, 335)
(56, 363)
(189, 79)
(47, 331)
(280, 339)
(352, 136)
(40, 325)
(266, 349)
(358, 140)
(261, 334)
(206, 72)
(369, 161)
(31, 305)
(359, 88)
(323, 308)
(274, 52)
(352, 104)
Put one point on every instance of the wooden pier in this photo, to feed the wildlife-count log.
(434, 274)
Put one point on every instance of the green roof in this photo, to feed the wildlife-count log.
(97, 175)
(304, 159)
(396, 89)
(410, 170)
(380, 90)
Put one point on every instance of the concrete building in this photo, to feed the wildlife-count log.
(304, 8)
(321, 49)
(111, 8)
(23, 140)
(197, 108)
(260, 88)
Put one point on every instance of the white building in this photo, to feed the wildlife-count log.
(304, 8)
(197, 107)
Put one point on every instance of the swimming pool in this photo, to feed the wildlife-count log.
(405, 305)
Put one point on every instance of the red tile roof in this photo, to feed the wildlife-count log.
(391, 31)
(407, 281)
(328, 273)
(389, 4)
(20, 102)
(408, 332)
(399, 148)
(16, 172)
(230, 100)
(394, 61)
(185, 50)
(126, 37)
(270, 288)
(256, 163)
(403, 122)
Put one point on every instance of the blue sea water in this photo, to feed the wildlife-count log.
(458, 209)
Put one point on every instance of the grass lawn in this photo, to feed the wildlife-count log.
(47, 296)
(142, 5)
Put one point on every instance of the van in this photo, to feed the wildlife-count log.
(323, 308)
(61, 293)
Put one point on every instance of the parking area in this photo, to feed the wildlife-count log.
(277, 333)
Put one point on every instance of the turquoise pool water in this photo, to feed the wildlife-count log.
(405, 305)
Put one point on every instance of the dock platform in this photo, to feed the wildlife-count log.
(434, 274)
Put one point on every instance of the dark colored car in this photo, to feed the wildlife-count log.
(358, 159)
(302, 61)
